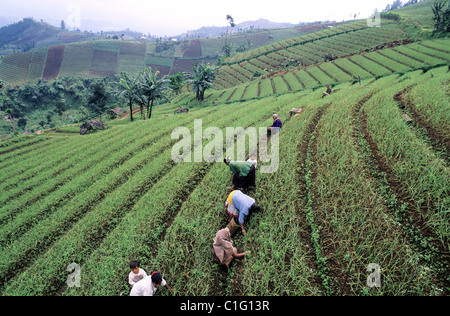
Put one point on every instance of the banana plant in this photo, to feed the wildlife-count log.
(128, 87)
(153, 88)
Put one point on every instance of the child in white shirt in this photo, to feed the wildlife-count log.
(136, 274)
(149, 285)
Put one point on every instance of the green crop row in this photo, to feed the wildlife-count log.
(112, 196)
(373, 64)
(423, 175)
(122, 238)
(431, 100)
(53, 224)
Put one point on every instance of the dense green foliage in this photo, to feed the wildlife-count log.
(60, 102)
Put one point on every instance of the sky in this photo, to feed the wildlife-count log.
(174, 17)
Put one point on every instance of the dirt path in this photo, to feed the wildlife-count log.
(305, 175)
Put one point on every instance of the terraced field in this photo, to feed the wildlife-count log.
(94, 56)
(348, 193)
(312, 54)
(360, 203)
(399, 59)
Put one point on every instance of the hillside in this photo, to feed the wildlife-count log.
(354, 199)
(263, 24)
(265, 50)
(356, 186)
(106, 57)
(236, 82)
(28, 34)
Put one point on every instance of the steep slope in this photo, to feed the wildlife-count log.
(357, 189)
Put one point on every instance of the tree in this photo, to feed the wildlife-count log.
(228, 46)
(9, 117)
(98, 100)
(231, 20)
(2, 94)
(153, 88)
(441, 17)
(446, 18)
(176, 82)
(127, 90)
(63, 25)
(202, 79)
(22, 123)
(140, 98)
(397, 4)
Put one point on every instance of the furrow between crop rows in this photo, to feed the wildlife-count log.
(440, 143)
(154, 230)
(91, 231)
(402, 205)
(65, 217)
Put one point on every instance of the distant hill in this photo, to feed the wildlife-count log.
(4, 20)
(217, 31)
(29, 34)
(48, 52)
(94, 55)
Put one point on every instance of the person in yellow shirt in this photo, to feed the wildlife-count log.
(240, 207)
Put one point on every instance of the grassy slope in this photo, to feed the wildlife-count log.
(333, 195)
(356, 186)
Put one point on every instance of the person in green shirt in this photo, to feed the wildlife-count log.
(244, 173)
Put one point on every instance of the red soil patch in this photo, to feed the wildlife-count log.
(55, 57)
(194, 50)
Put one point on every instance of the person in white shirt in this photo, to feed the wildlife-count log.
(136, 273)
(149, 285)
(253, 160)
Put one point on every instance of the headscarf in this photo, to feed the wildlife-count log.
(223, 245)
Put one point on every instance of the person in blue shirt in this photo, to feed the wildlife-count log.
(244, 205)
(277, 124)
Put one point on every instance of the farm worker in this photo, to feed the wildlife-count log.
(136, 273)
(244, 173)
(253, 160)
(240, 206)
(223, 250)
(328, 92)
(149, 285)
(277, 124)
